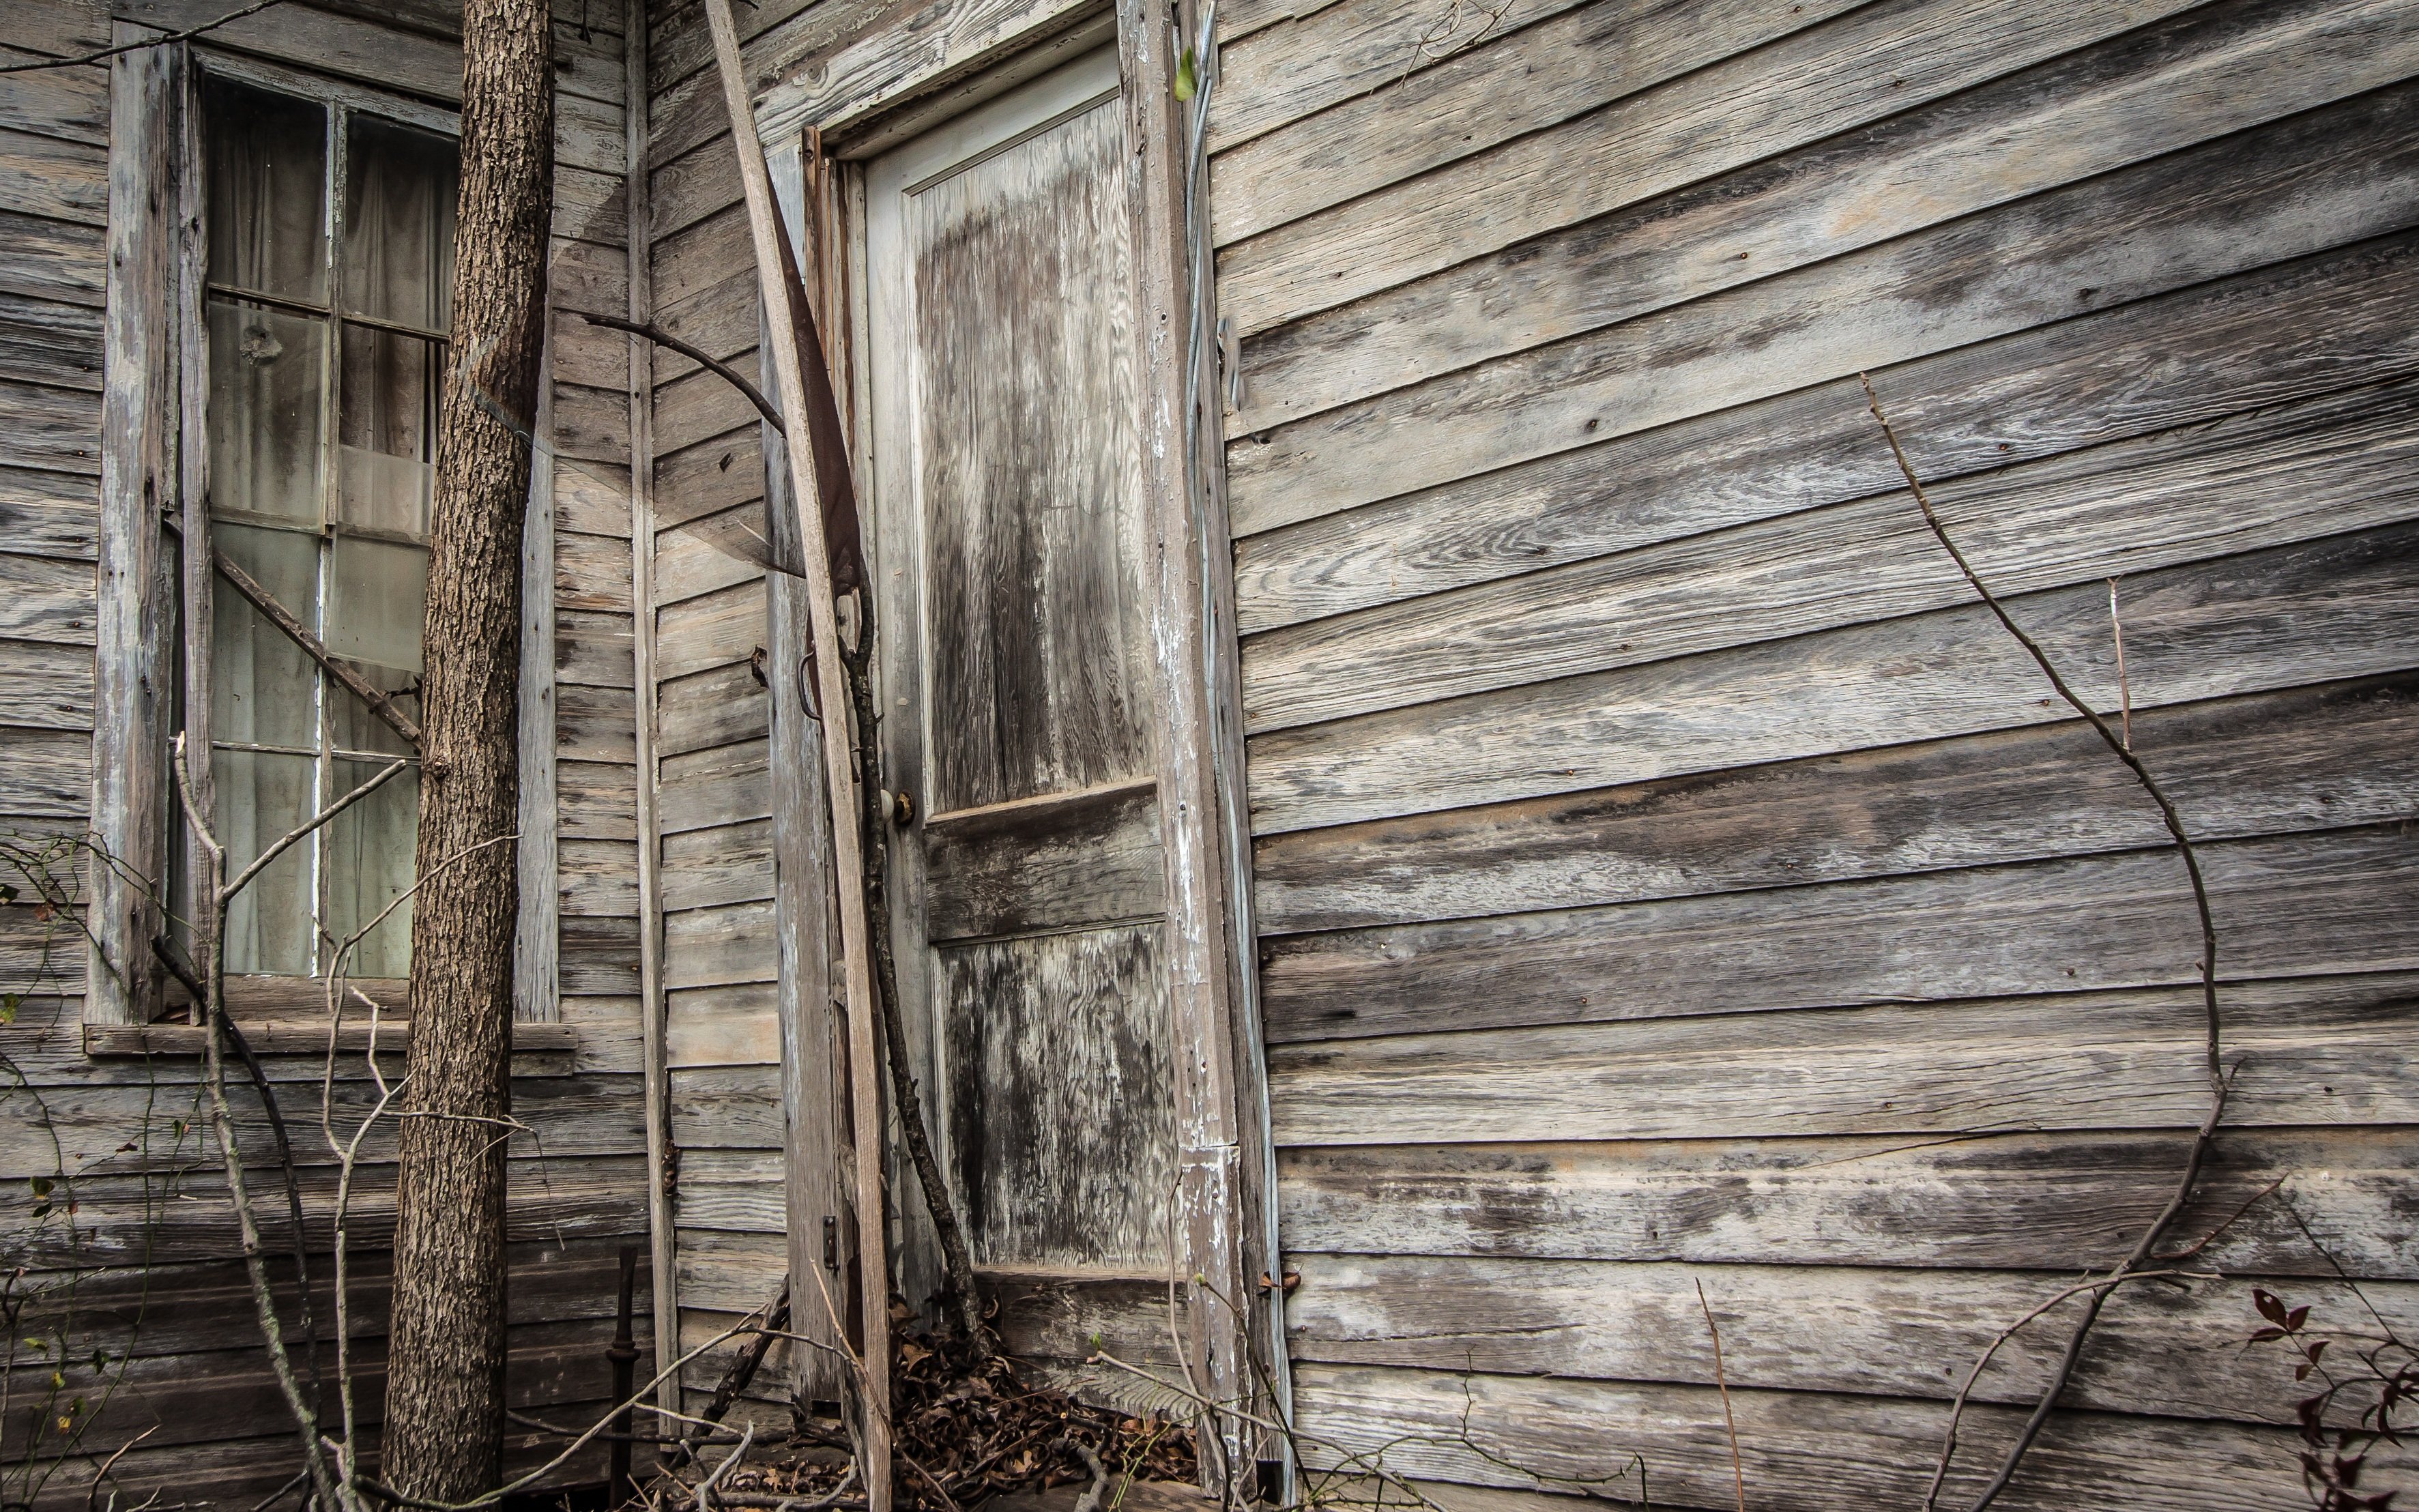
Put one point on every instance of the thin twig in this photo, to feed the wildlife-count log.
(303, 831)
(103, 54)
(1722, 1383)
(103, 1474)
(2124, 684)
(2212, 1028)
(705, 1486)
(296, 631)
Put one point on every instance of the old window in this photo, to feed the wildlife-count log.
(330, 232)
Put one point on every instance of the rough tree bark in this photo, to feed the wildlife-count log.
(446, 1403)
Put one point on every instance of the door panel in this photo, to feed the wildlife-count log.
(1018, 674)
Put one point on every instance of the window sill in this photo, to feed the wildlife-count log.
(538, 1049)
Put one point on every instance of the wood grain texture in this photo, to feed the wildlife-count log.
(47, 686)
(2326, 610)
(52, 259)
(2339, 462)
(885, 53)
(2287, 905)
(2319, 1050)
(1879, 1200)
(2274, 334)
(1061, 1097)
(2171, 1352)
(1833, 1453)
(2238, 66)
(2301, 186)
(1070, 859)
(2268, 764)
(722, 706)
(1403, 122)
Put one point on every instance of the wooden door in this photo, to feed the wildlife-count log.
(1018, 692)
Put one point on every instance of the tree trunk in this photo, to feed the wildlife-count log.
(445, 1400)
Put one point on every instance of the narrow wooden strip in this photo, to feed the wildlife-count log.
(2286, 905)
(2087, 113)
(2326, 610)
(2277, 334)
(2319, 1050)
(2300, 187)
(2178, 1352)
(1390, 121)
(1878, 1199)
(2346, 753)
(1824, 1453)
(1874, 61)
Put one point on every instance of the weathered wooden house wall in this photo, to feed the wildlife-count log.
(116, 1211)
(1665, 873)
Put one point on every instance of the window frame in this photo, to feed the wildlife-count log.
(156, 588)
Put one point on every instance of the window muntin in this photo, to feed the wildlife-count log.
(326, 335)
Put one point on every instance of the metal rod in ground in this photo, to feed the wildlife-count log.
(623, 1354)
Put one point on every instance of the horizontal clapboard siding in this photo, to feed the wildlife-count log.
(135, 1257)
(1667, 873)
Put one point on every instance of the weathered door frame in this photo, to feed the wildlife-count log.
(1228, 1243)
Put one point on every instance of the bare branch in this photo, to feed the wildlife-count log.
(1721, 1382)
(103, 54)
(296, 631)
(696, 354)
(2121, 747)
(295, 836)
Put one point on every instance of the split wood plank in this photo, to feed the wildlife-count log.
(2303, 186)
(1729, 107)
(2275, 334)
(1835, 1453)
(2346, 754)
(1877, 1199)
(1387, 122)
(2319, 1050)
(2343, 461)
(2239, 66)
(2174, 1352)
(2337, 608)
(2286, 905)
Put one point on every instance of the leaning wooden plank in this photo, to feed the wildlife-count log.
(1876, 61)
(2305, 185)
(2326, 610)
(1390, 121)
(2286, 905)
(2346, 754)
(1879, 1200)
(2178, 1352)
(2277, 334)
(2343, 461)
(2088, 113)
(1822, 1453)
(2315, 1051)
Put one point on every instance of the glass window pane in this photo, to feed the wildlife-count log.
(266, 419)
(351, 725)
(399, 192)
(267, 189)
(263, 685)
(369, 866)
(374, 610)
(386, 426)
(260, 798)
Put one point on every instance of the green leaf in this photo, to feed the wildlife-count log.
(41, 1185)
(8, 893)
(1187, 76)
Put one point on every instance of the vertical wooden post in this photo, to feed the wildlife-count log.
(134, 665)
(662, 1235)
(831, 698)
(1201, 985)
(193, 481)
